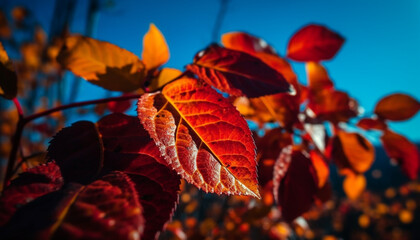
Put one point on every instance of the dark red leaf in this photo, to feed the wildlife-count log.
(119, 106)
(202, 136)
(78, 151)
(397, 107)
(295, 183)
(314, 43)
(28, 186)
(107, 208)
(129, 148)
(238, 73)
(370, 123)
(403, 152)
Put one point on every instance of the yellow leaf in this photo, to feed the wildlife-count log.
(165, 76)
(102, 63)
(8, 77)
(354, 185)
(155, 50)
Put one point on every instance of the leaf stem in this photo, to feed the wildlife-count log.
(18, 107)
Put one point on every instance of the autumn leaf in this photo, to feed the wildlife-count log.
(102, 63)
(372, 123)
(129, 148)
(246, 43)
(318, 78)
(5, 29)
(314, 43)
(78, 151)
(321, 168)
(352, 151)
(155, 50)
(29, 185)
(354, 185)
(295, 183)
(404, 152)
(397, 107)
(107, 208)
(202, 136)
(165, 76)
(237, 73)
(8, 77)
(119, 106)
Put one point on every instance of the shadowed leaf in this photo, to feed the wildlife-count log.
(237, 73)
(314, 43)
(107, 208)
(28, 186)
(397, 107)
(295, 183)
(8, 77)
(102, 63)
(78, 151)
(129, 148)
(370, 123)
(155, 50)
(352, 151)
(404, 152)
(202, 136)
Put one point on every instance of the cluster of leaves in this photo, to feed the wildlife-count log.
(120, 177)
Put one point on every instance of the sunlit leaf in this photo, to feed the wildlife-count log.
(29, 185)
(237, 73)
(314, 43)
(108, 208)
(321, 168)
(102, 63)
(202, 136)
(371, 123)
(352, 151)
(317, 76)
(246, 43)
(128, 148)
(354, 185)
(78, 151)
(155, 50)
(397, 107)
(404, 152)
(8, 77)
(165, 76)
(295, 183)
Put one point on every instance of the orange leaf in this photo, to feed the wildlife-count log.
(8, 77)
(370, 123)
(102, 63)
(318, 78)
(352, 151)
(354, 185)
(397, 107)
(202, 136)
(237, 73)
(321, 168)
(246, 43)
(295, 183)
(403, 151)
(165, 76)
(155, 50)
(314, 43)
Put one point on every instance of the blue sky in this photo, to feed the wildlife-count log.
(381, 54)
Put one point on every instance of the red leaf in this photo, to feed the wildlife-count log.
(128, 148)
(295, 183)
(119, 106)
(246, 43)
(78, 151)
(352, 151)
(237, 73)
(370, 123)
(108, 208)
(29, 185)
(403, 151)
(202, 136)
(314, 43)
(397, 107)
